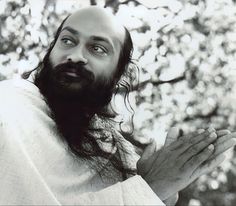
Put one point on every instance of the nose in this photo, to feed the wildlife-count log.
(77, 56)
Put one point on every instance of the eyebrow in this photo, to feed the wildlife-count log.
(71, 30)
(95, 38)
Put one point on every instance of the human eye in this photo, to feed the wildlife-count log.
(67, 41)
(99, 49)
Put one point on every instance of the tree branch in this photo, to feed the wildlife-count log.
(155, 83)
(134, 1)
(158, 82)
(93, 2)
(210, 114)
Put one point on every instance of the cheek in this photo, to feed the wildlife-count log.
(103, 69)
(53, 58)
(56, 56)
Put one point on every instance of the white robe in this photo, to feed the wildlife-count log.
(36, 168)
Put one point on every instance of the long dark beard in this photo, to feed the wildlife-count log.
(73, 110)
(73, 120)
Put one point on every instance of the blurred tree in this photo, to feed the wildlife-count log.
(186, 52)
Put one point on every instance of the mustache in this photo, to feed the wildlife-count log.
(78, 68)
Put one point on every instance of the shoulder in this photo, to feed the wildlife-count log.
(13, 84)
(15, 88)
(17, 94)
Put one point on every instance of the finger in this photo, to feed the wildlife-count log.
(203, 135)
(223, 138)
(222, 132)
(192, 134)
(172, 136)
(172, 199)
(183, 139)
(185, 150)
(208, 166)
(198, 159)
(195, 149)
(198, 132)
(185, 144)
(222, 146)
(148, 154)
(149, 150)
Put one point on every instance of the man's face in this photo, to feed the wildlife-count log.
(77, 76)
(91, 39)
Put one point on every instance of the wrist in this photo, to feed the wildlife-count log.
(158, 190)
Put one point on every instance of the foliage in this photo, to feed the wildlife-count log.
(186, 51)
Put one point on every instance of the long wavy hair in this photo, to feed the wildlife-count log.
(124, 77)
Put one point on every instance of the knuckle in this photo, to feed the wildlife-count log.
(178, 161)
(198, 158)
(203, 155)
(223, 156)
(182, 139)
(186, 143)
(195, 148)
(183, 168)
(139, 164)
(187, 166)
(175, 146)
(193, 161)
(204, 135)
(175, 198)
(189, 140)
(207, 151)
(198, 138)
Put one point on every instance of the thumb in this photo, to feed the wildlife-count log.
(145, 162)
(149, 150)
(172, 136)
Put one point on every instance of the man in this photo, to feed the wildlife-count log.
(58, 142)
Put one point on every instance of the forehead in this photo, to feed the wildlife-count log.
(94, 21)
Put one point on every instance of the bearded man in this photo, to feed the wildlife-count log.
(59, 145)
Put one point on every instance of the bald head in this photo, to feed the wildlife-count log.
(98, 19)
(94, 37)
(96, 43)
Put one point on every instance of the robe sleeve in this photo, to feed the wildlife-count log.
(133, 191)
(21, 182)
